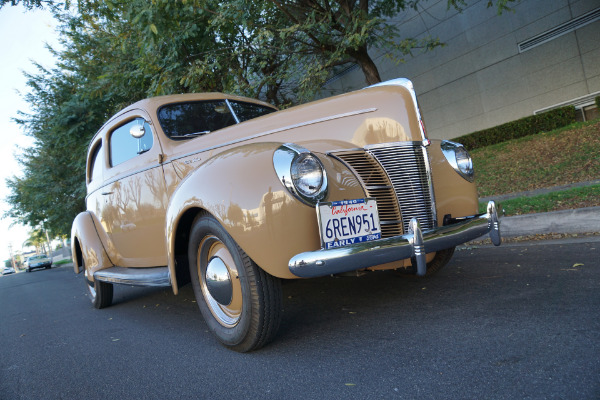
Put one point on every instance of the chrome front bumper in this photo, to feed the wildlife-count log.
(414, 244)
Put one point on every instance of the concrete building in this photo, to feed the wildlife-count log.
(495, 68)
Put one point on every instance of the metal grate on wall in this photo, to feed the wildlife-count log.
(560, 30)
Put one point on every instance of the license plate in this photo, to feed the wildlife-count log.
(347, 222)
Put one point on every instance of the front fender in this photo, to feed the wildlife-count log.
(240, 188)
(86, 246)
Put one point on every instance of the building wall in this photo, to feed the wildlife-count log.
(480, 79)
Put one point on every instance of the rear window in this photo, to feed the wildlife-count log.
(190, 119)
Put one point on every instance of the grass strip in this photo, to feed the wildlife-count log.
(588, 196)
(560, 157)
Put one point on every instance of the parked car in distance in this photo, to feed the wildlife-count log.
(38, 261)
(8, 271)
(233, 196)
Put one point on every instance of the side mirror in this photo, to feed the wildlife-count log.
(137, 131)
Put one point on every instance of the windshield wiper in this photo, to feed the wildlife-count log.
(190, 135)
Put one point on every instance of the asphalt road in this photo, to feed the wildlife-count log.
(518, 321)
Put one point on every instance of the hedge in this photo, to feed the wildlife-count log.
(531, 125)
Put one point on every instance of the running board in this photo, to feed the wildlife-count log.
(155, 276)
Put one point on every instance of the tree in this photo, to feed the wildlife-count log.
(116, 52)
(37, 238)
(333, 33)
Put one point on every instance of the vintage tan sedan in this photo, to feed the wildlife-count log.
(233, 195)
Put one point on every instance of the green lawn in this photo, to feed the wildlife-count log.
(561, 157)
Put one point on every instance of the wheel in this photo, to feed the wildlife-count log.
(101, 293)
(28, 269)
(440, 260)
(240, 302)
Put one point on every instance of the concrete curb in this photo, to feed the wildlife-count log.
(581, 220)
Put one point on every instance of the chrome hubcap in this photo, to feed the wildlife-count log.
(218, 281)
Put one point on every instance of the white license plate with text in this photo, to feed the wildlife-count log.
(347, 222)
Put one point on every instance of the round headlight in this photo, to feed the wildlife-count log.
(463, 161)
(307, 174)
(459, 158)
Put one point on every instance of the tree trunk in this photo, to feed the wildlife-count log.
(367, 65)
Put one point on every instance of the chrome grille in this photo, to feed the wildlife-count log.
(377, 185)
(396, 175)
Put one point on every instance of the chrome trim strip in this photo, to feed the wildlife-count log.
(237, 120)
(408, 85)
(430, 181)
(331, 153)
(390, 222)
(122, 176)
(415, 244)
(154, 276)
(284, 128)
(379, 187)
(385, 145)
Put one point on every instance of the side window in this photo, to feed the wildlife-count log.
(96, 164)
(123, 146)
(188, 120)
(246, 111)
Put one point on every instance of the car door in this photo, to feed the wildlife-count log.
(134, 193)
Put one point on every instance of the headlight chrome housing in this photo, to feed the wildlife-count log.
(301, 172)
(458, 157)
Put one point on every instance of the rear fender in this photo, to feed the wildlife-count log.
(86, 245)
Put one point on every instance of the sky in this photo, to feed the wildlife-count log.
(24, 35)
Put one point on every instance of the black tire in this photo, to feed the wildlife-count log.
(248, 317)
(100, 293)
(440, 260)
(28, 269)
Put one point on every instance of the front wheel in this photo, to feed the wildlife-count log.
(439, 261)
(240, 302)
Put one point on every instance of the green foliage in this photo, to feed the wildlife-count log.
(597, 100)
(522, 127)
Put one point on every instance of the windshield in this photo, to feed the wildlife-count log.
(190, 119)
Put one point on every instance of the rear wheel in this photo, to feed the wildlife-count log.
(100, 293)
(240, 302)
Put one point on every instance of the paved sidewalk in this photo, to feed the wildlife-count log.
(581, 220)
